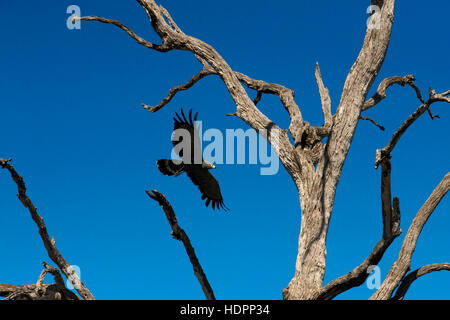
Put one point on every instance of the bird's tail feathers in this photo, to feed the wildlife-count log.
(169, 168)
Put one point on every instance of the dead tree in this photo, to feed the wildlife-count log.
(58, 291)
(314, 161)
(315, 165)
(41, 291)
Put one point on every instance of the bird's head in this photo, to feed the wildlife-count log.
(208, 165)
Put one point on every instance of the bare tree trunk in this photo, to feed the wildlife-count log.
(314, 166)
(318, 202)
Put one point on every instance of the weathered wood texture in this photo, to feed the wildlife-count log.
(314, 166)
(313, 162)
(49, 244)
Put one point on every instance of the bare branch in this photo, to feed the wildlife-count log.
(391, 230)
(180, 235)
(386, 83)
(395, 217)
(260, 86)
(204, 63)
(286, 97)
(443, 97)
(53, 252)
(405, 125)
(432, 116)
(29, 292)
(409, 80)
(257, 97)
(208, 56)
(391, 213)
(170, 20)
(373, 121)
(402, 265)
(297, 159)
(59, 281)
(17, 292)
(205, 72)
(316, 186)
(39, 291)
(357, 276)
(316, 214)
(412, 276)
(433, 97)
(325, 98)
(162, 48)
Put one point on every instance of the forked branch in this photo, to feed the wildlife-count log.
(300, 157)
(59, 281)
(173, 38)
(402, 265)
(433, 97)
(391, 230)
(390, 207)
(386, 83)
(39, 291)
(205, 72)
(49, 244)
(414, 275)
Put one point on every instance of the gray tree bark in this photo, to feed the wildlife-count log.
(314, 166)
(314, 160)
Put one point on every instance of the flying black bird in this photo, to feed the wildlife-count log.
(192, 161)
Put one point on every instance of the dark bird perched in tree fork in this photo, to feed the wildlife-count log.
(192, 162)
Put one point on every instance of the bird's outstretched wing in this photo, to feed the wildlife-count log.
(209, 187)
(193, 134)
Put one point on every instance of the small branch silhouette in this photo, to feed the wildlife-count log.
(179, 234)
(49, 244)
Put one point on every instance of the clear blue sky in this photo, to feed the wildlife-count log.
(71, 119)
